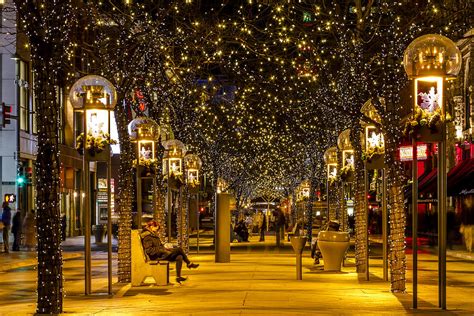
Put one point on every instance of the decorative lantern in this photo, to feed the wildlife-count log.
(373, 141)
(303, 192)
(330, 158)
(193, 165)
(173, 157)
(428, 60)
(96, 97)
(145, 132)
(344, 144)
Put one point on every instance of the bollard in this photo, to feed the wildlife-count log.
(298, 244)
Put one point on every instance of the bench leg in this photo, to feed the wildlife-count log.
(161, 273)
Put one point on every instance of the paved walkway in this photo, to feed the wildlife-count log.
(259, 280)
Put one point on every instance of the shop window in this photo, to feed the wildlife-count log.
(23, 95)
(34, 124)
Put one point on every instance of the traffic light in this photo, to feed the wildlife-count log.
(28, 175)
(6, 114)
(20, 175)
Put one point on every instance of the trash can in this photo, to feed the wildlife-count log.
(99, 233)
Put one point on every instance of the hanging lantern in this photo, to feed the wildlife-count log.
(374, 141)
(303, 191)
(193, 165)
(95, 97)
(145, 132)
(429, 60)
(330, 158)
(173, 157)
(344, 144)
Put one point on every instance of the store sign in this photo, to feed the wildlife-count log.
(406, 152)
(9, 198)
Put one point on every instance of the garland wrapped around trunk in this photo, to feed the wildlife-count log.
(397, 217)
(125, 194)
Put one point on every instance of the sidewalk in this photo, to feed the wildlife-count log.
(73, 247)
(258, 282)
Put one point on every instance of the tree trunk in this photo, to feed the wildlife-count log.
(160, 193)
(48, 223)
(397, 216)
(125, 194)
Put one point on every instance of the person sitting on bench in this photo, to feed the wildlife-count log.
(155, 250)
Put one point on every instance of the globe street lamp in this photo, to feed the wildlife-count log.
(144, 132)
(95, 98)
(193, 165)
(429, 61)
(173, 171)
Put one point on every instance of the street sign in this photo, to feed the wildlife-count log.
(9, 198)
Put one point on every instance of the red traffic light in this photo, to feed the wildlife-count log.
(6, 114)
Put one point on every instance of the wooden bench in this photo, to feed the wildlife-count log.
(143, 267)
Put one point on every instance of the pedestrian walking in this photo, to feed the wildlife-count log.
(29, 229)
(468, 233)
(16, 230)
(6, 220)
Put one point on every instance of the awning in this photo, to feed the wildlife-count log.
(424, 180)
(460, 179)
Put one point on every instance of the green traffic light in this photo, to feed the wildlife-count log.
(20, 180)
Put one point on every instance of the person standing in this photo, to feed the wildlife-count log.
(6, 220)
(279, 225)
(263, 226)
(16, 230)
(29, 229)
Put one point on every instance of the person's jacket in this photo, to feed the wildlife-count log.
(16, 223)
(152, 245)
(7, 216)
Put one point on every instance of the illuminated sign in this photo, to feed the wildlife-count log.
(406, 152)
(9, 198)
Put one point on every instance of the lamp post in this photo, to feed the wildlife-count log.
(430, 60)
(193, 165)
(330, 158)
(94, 97)
(144, 132)
(173, 171)
(374, 151)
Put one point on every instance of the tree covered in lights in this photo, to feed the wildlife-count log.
(258, 90)
(49, 27)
